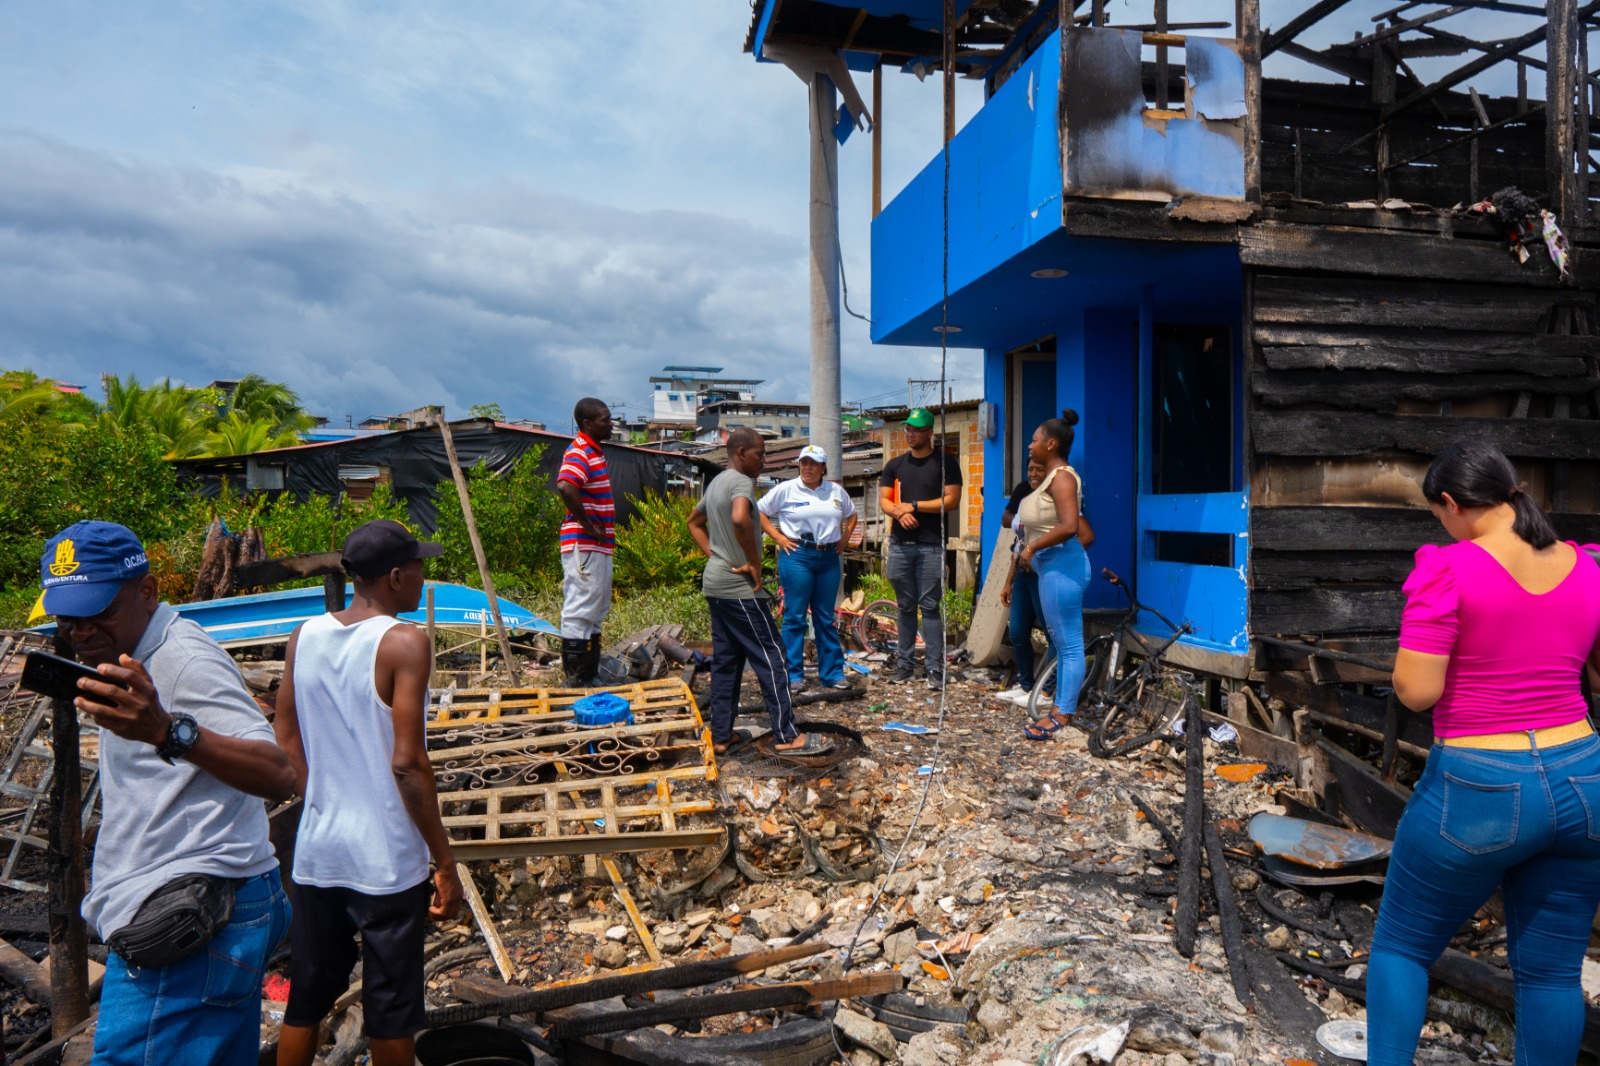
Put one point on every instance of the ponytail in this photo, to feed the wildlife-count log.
(1531, 523)
(1478, 475)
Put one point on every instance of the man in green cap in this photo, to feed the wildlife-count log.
(915, 491)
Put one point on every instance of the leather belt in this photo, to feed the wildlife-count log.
(1523, 740)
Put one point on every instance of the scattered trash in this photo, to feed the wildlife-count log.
(1241, 772)
(904, 727)
(1325, 847)
(1345, 1037)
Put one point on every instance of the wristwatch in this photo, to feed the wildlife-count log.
(182, 735)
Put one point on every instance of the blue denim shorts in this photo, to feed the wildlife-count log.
(209, 1004)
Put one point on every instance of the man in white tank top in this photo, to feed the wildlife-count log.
(351, 718)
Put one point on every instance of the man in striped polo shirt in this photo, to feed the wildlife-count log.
(587, 540)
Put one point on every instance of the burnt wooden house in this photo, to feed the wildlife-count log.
(1255, 259)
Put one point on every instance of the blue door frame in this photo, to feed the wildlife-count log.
(1213, 598)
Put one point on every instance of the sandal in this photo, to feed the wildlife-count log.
(815, 744)
(1034, 731)
(739, 739)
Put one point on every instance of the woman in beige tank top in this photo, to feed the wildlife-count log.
(1049, 517)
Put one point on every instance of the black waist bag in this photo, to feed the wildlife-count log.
(176, 921)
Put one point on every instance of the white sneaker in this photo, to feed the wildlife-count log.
(1010, 695)
(1021, 699)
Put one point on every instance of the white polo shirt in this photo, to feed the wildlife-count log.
(797, 510)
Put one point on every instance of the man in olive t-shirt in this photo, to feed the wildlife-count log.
(742, 630)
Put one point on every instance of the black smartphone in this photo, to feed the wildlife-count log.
(53, 676)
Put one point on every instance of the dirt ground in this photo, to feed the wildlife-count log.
(1030, 911)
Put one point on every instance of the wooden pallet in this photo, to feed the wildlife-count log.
(518, 777)
(28, 765)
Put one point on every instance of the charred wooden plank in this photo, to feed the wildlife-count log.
(290, 568)
(709, 1006)
(1378, 390)
(1303, 569)
(1390, 255)
(1186, 919)
(487, 998)
(1373, 805)
(1228, 911)
(1363, 302)
(1353, 609)
(1373, 348)
(1372, 529)
(1341, 433)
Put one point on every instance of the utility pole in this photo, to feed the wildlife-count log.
(825, 426)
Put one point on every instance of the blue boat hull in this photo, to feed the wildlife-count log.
(270, 617)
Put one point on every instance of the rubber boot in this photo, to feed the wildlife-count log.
(591, 660)
(574, 660)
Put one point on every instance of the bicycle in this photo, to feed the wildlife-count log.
(1140, 701)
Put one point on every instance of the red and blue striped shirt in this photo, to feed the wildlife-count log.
(584, 465)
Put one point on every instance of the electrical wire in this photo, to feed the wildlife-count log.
(936, 760)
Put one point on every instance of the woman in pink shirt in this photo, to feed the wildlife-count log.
(1498, 630)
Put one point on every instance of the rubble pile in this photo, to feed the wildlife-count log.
(1022, 896)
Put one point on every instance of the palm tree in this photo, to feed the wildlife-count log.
(260, 400)
(24, 394)
(239, 434)
(176, 416)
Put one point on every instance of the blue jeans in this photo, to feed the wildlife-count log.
(203, 1009)
(915, 571)
(1063, 576)
(810, 580)
(1027, 611)
(1527, 822)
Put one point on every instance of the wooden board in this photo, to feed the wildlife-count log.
(1341, 433)
(1366, 529)
(1391, 255)
(991, 618)
(1363, 302)
(1379, 390)
(1317, 611)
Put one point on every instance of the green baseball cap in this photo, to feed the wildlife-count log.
(920, 418)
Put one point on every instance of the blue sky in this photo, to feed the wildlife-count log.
(386, 205)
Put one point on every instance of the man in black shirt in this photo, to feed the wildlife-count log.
(916, 490)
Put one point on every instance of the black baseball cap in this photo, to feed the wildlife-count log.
(377, 547)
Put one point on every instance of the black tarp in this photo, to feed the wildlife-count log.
(415, 462)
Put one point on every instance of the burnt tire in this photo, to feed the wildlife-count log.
(799, 1041)
(905, 1017)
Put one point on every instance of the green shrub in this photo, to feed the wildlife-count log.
(519, 524)
(655, 550)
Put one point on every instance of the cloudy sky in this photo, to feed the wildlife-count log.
(386, 205)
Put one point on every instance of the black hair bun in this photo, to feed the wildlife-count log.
(1069, 416)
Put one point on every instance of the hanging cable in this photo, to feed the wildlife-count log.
(936, 760)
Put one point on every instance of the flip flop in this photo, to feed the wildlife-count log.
(739, 739)
(816, 744)
(1045, 732)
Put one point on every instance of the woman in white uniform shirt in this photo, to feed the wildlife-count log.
(811, 519)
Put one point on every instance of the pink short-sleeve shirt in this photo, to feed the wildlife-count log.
(1516, 658)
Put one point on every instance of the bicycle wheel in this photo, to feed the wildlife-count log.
(878, 627)
(1042, 697)
(1140, 712)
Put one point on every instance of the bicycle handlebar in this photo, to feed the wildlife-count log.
(1135, 606)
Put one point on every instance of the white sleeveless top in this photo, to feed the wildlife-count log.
(1037, 511)
(355, 832)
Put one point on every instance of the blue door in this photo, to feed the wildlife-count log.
(1191, 517)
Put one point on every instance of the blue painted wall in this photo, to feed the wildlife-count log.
(1005, 195)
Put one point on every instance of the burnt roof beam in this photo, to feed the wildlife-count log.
(1299, 24)
(1495, 55)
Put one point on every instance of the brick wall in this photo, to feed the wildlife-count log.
(964, 426)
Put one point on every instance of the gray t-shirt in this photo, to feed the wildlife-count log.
(719, 582)
(161, 822)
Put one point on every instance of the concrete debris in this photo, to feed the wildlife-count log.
(866, 1032)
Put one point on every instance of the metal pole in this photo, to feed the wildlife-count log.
(509, 662)
(825, 428)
